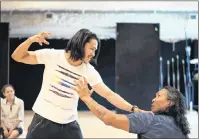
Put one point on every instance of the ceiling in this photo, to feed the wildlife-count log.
(100, 5)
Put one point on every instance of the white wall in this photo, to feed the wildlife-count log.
(64, 23)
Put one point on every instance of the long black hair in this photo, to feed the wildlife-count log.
(77, 43)
(177, 109)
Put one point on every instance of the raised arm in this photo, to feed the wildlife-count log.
(21, 53)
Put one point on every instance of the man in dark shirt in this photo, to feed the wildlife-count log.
(168, 120)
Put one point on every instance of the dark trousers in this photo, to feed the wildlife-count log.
(44, 128)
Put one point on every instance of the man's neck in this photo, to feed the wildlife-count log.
(71, 61)
(163, 113)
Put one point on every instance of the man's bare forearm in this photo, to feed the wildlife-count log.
(21, 50)
(118, 101)
(99, 111)
(121, 103)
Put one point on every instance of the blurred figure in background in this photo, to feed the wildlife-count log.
(12, 113)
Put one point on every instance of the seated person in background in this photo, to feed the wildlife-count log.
(12, 113)
(168, 120)
(1, 131)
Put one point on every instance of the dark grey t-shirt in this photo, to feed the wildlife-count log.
(147, 125)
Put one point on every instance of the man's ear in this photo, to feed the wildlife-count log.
(171, 103)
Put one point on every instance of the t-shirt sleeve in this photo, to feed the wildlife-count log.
(45, 56)
(94, 77)
(139, 122)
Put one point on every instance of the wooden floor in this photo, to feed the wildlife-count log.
(94, 128)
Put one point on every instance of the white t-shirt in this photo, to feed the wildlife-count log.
(56, 101)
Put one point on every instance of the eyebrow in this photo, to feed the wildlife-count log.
(94, 47)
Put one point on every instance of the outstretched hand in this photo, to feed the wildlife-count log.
(82, 88)
(40, 38)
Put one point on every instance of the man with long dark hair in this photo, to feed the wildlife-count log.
(56, 105)
(168, 120)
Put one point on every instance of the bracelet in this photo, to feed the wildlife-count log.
(133, 108)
